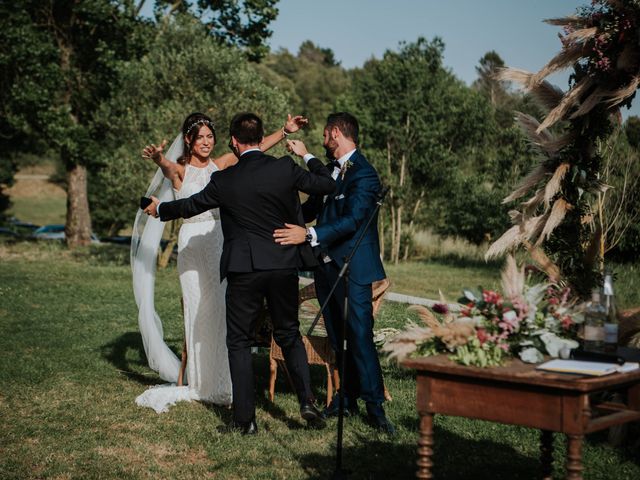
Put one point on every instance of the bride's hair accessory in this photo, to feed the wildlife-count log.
(201, 122)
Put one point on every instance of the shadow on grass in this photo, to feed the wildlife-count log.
(454, 458)
(126, 354)
(458, 261)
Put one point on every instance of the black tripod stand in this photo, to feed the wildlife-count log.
(339, 472)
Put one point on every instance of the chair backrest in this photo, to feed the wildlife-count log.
(379, 289)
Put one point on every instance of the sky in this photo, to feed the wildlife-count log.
(357, 30)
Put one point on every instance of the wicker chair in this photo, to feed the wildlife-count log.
(319, 351)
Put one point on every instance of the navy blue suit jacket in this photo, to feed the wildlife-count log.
(343, 214)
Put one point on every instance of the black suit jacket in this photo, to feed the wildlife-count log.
(256, 196)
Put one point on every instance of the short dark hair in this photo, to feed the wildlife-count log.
(247, 128)
(346, 123)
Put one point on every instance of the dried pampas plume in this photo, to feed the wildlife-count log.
(512, 279)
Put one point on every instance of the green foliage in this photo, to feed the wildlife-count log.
(313, 80)
(426, 131)
(58, 64)
(241, 23)
(8, 167)
(473, 209)
(184, 71)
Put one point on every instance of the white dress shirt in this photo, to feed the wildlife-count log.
(336, 171)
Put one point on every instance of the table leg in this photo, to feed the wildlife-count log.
(574, 457)
(546, 454)
(425, 446)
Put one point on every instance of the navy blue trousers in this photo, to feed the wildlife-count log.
(363, 375)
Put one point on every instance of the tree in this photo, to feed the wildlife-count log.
(58, 64)
(312, 79)
(188, 71)
(244, 24)
(417, 120)
(617, 208)
(487, 83)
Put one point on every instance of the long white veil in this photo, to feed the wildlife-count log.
(145, 241)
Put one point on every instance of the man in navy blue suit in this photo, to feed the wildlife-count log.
(340, 217)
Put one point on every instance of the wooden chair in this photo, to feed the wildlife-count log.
(319, 351)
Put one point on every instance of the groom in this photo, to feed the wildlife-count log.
(341, 219)
(256, 196)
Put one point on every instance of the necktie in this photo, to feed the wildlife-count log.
(336, 164)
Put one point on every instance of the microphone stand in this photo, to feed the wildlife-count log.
(339, 472)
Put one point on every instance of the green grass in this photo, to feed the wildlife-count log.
(73, 363)
(39, 211)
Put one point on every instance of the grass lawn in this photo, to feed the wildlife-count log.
(73, 363)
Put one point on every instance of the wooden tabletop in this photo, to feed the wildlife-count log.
(516, 371)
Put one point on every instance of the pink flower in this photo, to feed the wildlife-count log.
(567, 322)
(490, 296)
(482, 335)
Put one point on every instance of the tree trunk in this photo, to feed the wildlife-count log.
(416, 207)
(396, 253)
(392, 228)
(78, 227)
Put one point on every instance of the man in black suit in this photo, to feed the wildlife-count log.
(256, 196)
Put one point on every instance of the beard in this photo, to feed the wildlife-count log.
(329, 150)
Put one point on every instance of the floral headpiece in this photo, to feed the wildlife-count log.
(202, 121)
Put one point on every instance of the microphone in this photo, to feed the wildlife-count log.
(383, 193)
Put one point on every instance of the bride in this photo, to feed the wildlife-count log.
(185, 170)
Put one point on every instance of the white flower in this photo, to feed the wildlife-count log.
(531, 355)
(468, 294)
(554, 343)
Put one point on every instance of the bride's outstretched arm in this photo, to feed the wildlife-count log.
(292, 125)
(169, 169)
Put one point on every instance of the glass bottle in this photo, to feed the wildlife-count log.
(595, 316)
(611, 321)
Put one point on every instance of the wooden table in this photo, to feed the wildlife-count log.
(518, 394)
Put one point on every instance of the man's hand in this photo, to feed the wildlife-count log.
(297, 147)
(152, 209)
(293, 124)
(290, 235)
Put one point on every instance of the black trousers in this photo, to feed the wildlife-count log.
(245, 297)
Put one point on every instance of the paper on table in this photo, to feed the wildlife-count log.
(587, 368)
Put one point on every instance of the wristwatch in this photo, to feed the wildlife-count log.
(308, 237)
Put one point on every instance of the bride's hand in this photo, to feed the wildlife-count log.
(154, 152)
(293, 124)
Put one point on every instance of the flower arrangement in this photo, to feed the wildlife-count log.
(525, 320)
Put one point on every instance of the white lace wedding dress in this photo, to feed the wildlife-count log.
(199, 249)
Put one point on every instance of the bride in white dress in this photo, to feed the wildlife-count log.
(186, 169)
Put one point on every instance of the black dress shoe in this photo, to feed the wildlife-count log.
(309, 412)
(333, 410)
(381, 424)
(243, 428)
(378, 420)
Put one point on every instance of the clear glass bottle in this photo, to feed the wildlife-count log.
(611, 321)
(595, 316)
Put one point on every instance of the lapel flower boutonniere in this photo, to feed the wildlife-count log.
(347, 165)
